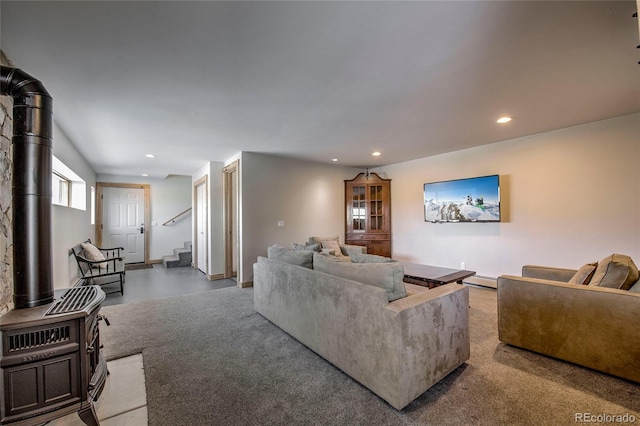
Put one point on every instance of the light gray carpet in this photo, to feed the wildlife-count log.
(210, 359)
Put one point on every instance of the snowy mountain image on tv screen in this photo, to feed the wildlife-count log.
(463, 200)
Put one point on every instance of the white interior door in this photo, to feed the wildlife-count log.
(123, 223)
(201, 227)
(234, 225)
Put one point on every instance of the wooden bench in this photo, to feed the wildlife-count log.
(101, 272)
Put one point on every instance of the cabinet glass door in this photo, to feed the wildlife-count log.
(375, 208)
(358, 209)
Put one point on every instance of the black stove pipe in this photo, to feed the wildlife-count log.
(31, 189)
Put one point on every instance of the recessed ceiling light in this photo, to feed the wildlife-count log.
(335, 160)
(503, 120)
(150, 156)
(144, 174)
(376, 154)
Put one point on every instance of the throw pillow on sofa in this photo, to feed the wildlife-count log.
(636, 287)
(615, 271)
(332, 247)
(329, 245)
(584, 274)
(310, 247)
(294, 257)
(320, 240)
(388, 276)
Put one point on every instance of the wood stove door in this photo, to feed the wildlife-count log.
(44, 377)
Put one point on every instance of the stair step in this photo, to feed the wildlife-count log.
(181, 257)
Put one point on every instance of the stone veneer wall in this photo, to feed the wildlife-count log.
(6, 238)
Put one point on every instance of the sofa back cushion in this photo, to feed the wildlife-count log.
(369, 258)
(615, 271)
(388, 276)
(294, 257)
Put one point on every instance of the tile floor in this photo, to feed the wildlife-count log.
(124, 399)
(160, 283)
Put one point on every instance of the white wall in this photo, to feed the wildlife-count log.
(168, 197)
(70, 226)
(568, 197)
(308, 197)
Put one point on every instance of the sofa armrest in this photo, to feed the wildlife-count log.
(434, 338)
(591, 326)
(415, 300)
(548, 273)
(349, 249)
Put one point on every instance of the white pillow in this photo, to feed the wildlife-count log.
(92, 252)
(332, 246)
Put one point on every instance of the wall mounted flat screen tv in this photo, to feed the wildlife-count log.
(463, 200)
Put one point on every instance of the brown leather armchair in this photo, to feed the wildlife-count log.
(592, 326)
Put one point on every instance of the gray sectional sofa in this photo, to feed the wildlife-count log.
(398, 349)
(588, 317)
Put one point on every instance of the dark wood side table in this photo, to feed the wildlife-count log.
(433, 276)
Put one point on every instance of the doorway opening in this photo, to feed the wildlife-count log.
(122, 213)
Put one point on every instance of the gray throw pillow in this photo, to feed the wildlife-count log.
(309, 247)
(294, 257)
(636, 287)
(584, 274)
(388, 276)
(615, 271)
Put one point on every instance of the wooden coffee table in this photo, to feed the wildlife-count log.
(433, 276)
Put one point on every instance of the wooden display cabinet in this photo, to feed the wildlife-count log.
(368, 213)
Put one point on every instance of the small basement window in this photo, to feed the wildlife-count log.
(68, 189)
(61, 186)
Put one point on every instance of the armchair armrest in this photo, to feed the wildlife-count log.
(548, 273)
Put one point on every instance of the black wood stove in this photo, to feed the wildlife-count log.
(51, 361)
(50, 354)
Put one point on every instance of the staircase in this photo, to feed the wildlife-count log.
(180, 257)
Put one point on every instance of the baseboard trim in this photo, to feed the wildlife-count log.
(154, 261)
(215, 277)
(246, 284)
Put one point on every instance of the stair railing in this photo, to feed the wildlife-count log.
(175, 218)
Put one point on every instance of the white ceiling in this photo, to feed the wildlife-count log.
(200, 81)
